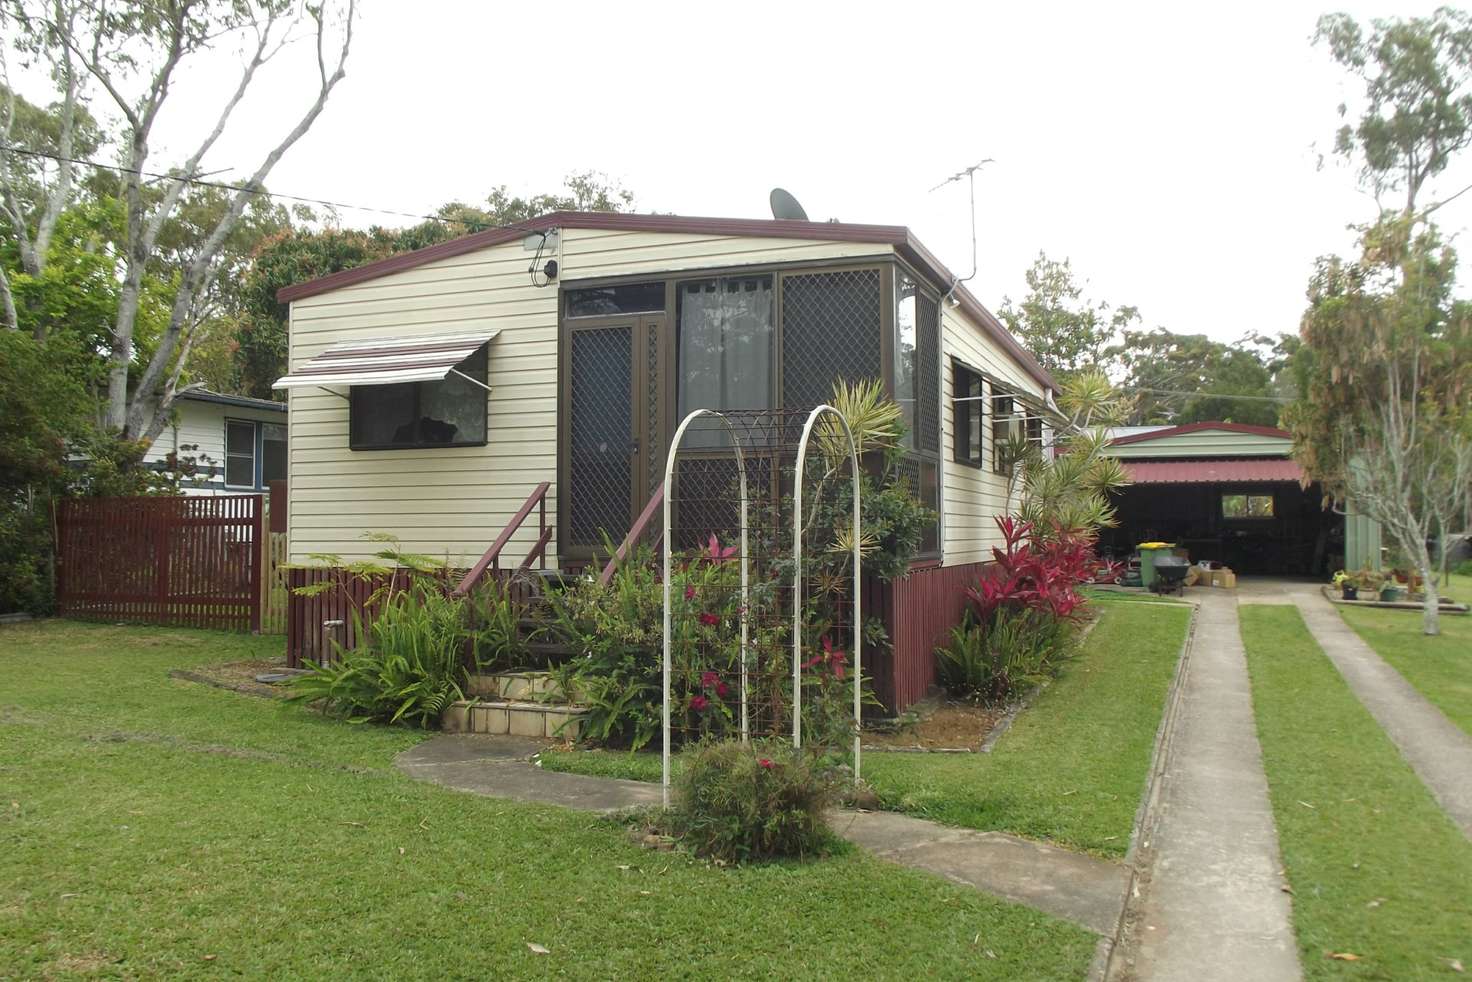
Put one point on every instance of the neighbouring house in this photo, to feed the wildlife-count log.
(432, 394)
(237, 445)
(1232, 493)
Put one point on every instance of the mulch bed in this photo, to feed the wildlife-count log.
(947, 726)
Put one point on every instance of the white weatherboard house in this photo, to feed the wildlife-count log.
(238, 443)
(431, 393)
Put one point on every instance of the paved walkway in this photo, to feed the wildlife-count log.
(1079, 888)
(1213, 904)
(1438, 750)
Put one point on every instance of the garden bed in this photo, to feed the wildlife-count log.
(949, 725)
(1444, 604)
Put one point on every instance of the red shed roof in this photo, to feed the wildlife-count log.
(1273, 470)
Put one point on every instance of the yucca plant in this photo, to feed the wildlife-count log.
(409, 670)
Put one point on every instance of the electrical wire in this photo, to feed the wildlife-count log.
(227, 186)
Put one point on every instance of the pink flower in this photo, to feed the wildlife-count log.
(708, 679)
(709, 619)
(722, 689)
(766, 764)
(690, 592)
(698, 703)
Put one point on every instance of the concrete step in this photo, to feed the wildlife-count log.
(516, 718)
(539, 687)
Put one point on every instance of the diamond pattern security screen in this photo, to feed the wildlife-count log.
(831, 325)
(600, 439)
(927, 374)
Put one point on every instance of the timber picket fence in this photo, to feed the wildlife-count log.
(176, 561)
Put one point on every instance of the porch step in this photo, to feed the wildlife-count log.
(539, 687)
(529, 719)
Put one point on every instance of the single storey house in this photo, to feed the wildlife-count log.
(433, 394)
(1232, 493)
(237, 444)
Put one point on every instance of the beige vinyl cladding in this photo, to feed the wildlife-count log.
(451, 502)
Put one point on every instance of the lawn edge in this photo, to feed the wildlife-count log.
(1104, 966)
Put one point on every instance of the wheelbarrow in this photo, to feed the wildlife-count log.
(1170, 575)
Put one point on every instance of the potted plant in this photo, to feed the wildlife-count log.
(1368, 582)
(1391, 591)
(1347, 584)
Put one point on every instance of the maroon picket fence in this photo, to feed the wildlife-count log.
(177, 561)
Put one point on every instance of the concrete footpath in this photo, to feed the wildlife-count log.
(1438, 751)
(1212, 904)
(1079, 888)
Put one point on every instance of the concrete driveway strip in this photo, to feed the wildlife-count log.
(1214, 906)
(1438, 751)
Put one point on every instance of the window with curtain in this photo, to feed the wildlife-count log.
(725, 347)
(904, 352)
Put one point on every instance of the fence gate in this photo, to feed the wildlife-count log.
(180, 561)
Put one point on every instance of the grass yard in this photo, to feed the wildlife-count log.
(1440, 667)
(154, 827)
(1377, 869)
(1070, 770)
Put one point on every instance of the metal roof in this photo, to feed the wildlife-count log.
(224, 399)
(387, 361)
(1256, 471)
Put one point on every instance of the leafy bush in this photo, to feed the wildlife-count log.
(25, 558)
(738, 802)
(1034, 573)
(1464, 568)
(992, 661)
(493, 637)
(409, 670)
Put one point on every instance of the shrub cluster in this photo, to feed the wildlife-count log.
(738, 802)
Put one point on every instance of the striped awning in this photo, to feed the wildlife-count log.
(387, 361)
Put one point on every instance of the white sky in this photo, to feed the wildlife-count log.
(1169, 150)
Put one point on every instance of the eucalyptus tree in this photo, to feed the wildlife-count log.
(131, 57)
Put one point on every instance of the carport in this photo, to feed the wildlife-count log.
(1225, 492)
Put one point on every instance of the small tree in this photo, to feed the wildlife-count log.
(1067, 331)
(1385, 421)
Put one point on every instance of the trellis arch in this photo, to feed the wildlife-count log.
(858, 627)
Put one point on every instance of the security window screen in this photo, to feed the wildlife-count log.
(831, 330)
(725, 348)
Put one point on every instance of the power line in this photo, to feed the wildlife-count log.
(226, 186)
(1204, 395)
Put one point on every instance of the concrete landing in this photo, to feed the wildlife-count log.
(1079, 888)
(1212, 905)
(1438, 751)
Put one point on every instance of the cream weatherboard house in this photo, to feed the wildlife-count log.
(432, 394)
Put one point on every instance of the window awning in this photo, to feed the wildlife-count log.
(1272, 470)
(386, 361)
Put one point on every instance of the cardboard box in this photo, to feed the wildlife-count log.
(1226, 579)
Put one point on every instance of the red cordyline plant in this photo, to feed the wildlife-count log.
(1034, 573)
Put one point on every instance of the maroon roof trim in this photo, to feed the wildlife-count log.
(1197, 427)
(898, 236)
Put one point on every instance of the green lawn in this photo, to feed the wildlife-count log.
(1377, 869)
(1070, 770)
(1440, 667)
(153, 827)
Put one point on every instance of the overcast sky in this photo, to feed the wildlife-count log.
(1171, 151)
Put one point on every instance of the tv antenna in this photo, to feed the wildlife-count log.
(969, 173)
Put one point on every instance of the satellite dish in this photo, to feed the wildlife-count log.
(785, 206)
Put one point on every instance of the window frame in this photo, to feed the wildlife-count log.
(255, 454)
(1245, 494)
(354, 395)
(962, 413)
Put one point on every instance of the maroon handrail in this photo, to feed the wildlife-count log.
(492, 558)
(641, 525)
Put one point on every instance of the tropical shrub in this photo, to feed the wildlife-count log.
(737, 802)
(1033, 573)
(991, 661)
(408, 669)
(493, 638)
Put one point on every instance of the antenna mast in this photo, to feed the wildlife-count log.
(970, 174)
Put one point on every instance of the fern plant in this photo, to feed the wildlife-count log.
(409, 670)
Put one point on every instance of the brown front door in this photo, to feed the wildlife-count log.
(612, 429)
